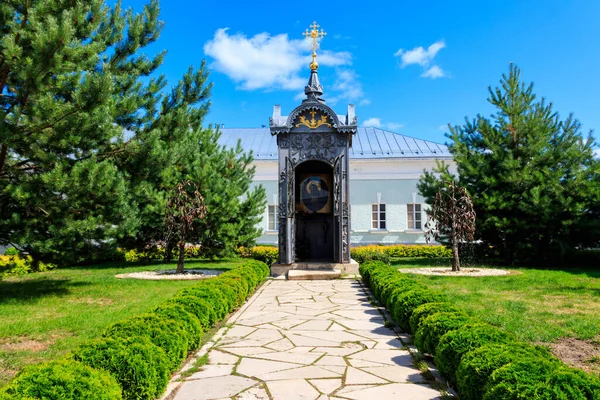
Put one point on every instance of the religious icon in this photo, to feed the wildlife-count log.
(315, 194)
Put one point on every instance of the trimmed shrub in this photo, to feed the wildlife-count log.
(235, 284)
(266, 254)
(242, 283)
(364, 254)
(427, 309)
(167, 334)
(212, 296)
(413, 251)
(386, 252)
(189, 321)
(454, 344)
(476, 366)
(404, 287)
(228, 294)
(540, 380)
(60, 380)
(140, 367)
(434, 327)
(366, 268)
(200, 308)
(405, 303)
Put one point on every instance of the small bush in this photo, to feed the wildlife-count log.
(189, 321)
(140, 367)
(212, 296)
(364, 254)
(228, 294)
(366, 268)
(167, 334)
(540, 380)
(266, 254)
(405, 303)
(454, 344)
(14, 264)
(200, 308)
(427, 309)
(476, 366)
(61, 380)
(434, 327)
(414, 251)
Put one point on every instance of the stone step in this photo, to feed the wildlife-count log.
(313, 274)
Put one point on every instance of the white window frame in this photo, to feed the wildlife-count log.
(414, 213)
(273, 214)
(378, 217)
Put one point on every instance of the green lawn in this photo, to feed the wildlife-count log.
(537, 305)
(44, 315)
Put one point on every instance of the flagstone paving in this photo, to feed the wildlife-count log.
(312, 340)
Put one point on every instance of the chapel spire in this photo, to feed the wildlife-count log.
(314, 90)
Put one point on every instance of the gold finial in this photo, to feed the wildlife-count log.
(315, 35)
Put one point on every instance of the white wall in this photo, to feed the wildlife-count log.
(395, 179)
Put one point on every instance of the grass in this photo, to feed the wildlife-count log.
(45, 315)
(537, 305)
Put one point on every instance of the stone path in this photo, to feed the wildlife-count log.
(306, 340)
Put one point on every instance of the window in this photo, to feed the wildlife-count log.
(414, 216)
(273, 216)
(379, 216)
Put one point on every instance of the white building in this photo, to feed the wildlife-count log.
(385, 168)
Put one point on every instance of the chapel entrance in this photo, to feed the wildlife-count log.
(314, 212)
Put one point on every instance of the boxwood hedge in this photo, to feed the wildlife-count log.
(136, 356)
(140, 367)
(454, 344)
(483, 361)
(425, 310)
(62, 379)
(540, 380)
(405, 303)
(477, 365)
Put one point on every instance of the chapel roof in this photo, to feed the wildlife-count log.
(368, 143)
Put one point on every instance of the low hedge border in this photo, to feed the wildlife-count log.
(135, 357)
(361, 254)
(482, 361)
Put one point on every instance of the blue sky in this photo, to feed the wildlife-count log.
(410, 67)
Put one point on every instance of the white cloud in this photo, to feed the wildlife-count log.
(394, 126)
(434, 72)
(264, 61)
(597, 153)
(376, 123)
(419, 55)
(347, 87)
(372, 123)
(424, 58)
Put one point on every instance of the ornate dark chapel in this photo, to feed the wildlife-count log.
(314, 184)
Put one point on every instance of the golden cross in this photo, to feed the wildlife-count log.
(315, 35)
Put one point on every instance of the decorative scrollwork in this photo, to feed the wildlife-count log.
(313, 123)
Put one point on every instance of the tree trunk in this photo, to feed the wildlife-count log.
(168, 251)
(455, 259)
(181, 257)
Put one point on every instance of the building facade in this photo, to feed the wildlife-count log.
(385, 167)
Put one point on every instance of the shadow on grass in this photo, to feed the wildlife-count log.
(33, 289)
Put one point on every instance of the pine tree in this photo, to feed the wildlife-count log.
(533, 178)
(224, 177)
(86, 132)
